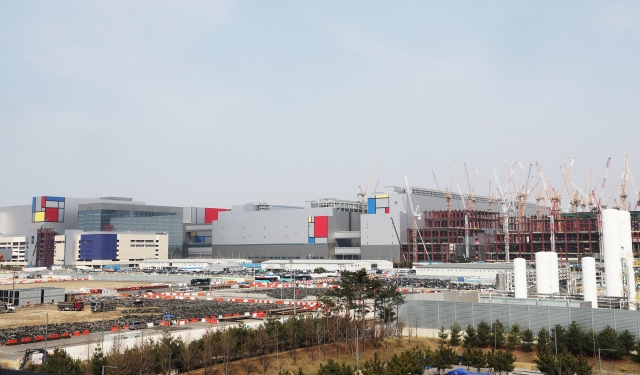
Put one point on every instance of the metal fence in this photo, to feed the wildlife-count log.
(436, 314)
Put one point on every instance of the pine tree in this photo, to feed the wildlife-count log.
(475, 358)
(627, 341)
(443, 335)
(514, 337)
(497, 334)
(470, 337)
(543, 339)
(501, 361)
(483, 333)
(607, 338)
(527, 340)
(455, 334)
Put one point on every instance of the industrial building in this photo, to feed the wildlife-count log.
(211, 265)
(28, 233)
(333, 265)
(324, 229)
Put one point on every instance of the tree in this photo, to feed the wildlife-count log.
(608, 339)
(319, 270)
(333, 368)
(514, 337)
(527, 340)
(374, 367)
(443, 358)
(574, 338)
(474, 357)
(627, 341)
(470, 337)
(409, 362)
(558, 338)
(501, 361)
(443, 335)
(543, 339)
(60, 363)
(497, 334)
(455, 334)
(483, 333)
(565, 363)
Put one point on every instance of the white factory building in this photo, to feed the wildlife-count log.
(330, 265)
(214, 265)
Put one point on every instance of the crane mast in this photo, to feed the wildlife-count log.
(466, 223)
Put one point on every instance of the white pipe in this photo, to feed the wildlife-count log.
(626, 244)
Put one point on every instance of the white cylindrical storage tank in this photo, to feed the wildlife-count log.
(553, 272)
(520, 277)
(543, 284)
(589, 287)
(611, 242)
(626, 246)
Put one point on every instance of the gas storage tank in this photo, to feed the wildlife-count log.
(520, 277)
(589, 287)
(543, 277)
(611, 241)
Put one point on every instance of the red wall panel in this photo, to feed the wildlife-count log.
(51, 215)
(321, 226)
(211, 214)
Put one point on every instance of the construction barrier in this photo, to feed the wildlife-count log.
(54, 336)
(85, 332)
(12, 342)
(65, 335)
(115, 328)
(25, 340)
(76, 333)
(39, 338)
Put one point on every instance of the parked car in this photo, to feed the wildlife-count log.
(137, 325)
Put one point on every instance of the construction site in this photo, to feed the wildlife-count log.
(502, 227)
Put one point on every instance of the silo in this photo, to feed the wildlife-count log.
(626, 246)
(611, 241)
(520, 277)
(553, 272)
(589, 281)
(543, 284)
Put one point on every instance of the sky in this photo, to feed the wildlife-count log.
(219, 103)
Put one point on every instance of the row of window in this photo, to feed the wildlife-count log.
(12, 243)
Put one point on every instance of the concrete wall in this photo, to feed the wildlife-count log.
(296, 251)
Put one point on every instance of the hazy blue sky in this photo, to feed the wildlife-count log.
(221, 103)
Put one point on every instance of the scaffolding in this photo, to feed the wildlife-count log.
(575, 235)
(45, 247)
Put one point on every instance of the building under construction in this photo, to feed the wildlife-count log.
(45, 247)
(443, 235)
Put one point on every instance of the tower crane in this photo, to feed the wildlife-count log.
(489, 196)
(466, 223)
(623, 186)
(505, 211)
(574, 201)
(435, 179)
(416, 215)
(472, 194)
(447, 194)
(604, 183)
(362, 194)
(635, 189)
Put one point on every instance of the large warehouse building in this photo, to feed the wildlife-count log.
(30, 233)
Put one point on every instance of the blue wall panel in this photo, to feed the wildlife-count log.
(371, 206)
(98, 246)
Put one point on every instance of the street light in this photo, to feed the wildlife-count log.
(46, 330)
(599, 360)
(103, 367)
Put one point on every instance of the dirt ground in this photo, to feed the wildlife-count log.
(27, 316)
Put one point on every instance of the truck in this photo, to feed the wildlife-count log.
(100, 306)
(71, 306)
(6, 308)
(203, 281)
